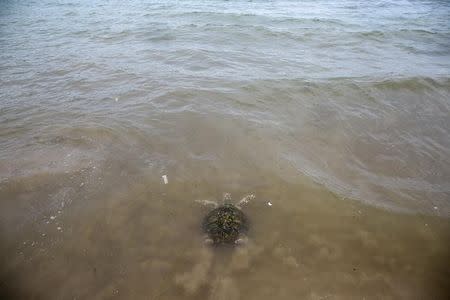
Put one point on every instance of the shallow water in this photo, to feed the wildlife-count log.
(144, 240)
(335, 112)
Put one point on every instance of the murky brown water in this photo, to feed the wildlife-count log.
(141, 239)
(335, 112)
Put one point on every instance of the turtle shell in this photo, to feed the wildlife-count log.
(225, 223)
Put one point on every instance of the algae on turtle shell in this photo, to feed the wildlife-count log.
(225, 224)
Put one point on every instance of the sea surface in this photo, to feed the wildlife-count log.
(334, 114)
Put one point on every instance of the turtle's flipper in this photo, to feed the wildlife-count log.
(208, 241)
(244, 201)
(214, 204)
(242, 240)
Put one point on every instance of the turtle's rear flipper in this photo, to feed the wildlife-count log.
(208, 241)
(242, 240)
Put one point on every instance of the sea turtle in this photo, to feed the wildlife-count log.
(226, 223)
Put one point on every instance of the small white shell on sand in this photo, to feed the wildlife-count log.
(165, 179)
(269, 203)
